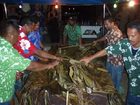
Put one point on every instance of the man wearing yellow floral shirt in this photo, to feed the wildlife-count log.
(11, 62)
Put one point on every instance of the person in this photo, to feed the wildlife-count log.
(12, 13)
(37, 10)
(35, 36)
(53, 25)
(11, 62)
(129, 48)
(27, 48)
(114, 64)
(72, 32)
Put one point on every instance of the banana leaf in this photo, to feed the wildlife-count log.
(87, 85)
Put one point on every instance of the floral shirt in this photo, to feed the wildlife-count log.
(73, 33)
(112, 37)
(10, 62)
(132, 63)
(23, 45)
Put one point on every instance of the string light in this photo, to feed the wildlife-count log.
(115, 5)
(20, 6)
(56, 6)
(131, 3)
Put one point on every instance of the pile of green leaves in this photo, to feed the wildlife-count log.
(73, 82)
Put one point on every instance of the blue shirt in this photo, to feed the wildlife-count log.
(35, 38)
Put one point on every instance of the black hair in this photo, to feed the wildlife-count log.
(25, 20)
(110, 19)
(4, 26)
(134, 24)
(34, 19)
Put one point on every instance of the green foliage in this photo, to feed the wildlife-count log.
(82, 82)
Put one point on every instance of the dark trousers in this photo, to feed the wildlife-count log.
(133, 100)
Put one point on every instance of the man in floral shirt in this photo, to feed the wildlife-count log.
(115, 64)
(130, 50)
(24, 47)
(11, 62)
(27, 48)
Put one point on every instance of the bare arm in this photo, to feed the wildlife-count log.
(36, 66)
(101, 39)
(43, 59)
(97, 55)
(43, 54)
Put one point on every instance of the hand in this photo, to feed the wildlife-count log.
(53, 64)
(59, 58)
(19, 75)
(86, 60)
(81, 47)
(95, 42)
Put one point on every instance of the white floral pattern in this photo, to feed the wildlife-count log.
(22, 35)
(112, 37)
(132, 63)
(25, 44)
(133, 82)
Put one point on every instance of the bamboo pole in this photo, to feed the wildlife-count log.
(67, 98)
(5, 9)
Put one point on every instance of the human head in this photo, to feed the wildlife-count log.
(133, 32)
(9, 31)
(35, 23)
(109, 23)
(27, 24)
(72, 20)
